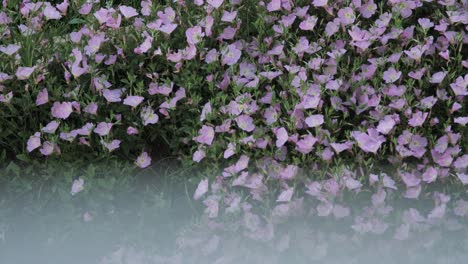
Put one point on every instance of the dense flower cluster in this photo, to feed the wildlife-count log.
(296, 82)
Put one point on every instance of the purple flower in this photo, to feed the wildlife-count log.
(346, 16)
(306, 144)
(289, 172)
(202, 188)
(281, 137)
(91, 108)
(128, 11)
(133, 100)
(319, 3)
(340, 147)
(42, 97)
(367, 10)
(417, 119)
(198, 155)
(62, 110)
(194, 35)
(103, 128)
(391, 75)
(77, 186)
(205, 135)
(314, 120)
(463, 120)
(245, 123)
(149, 116)
(430, 175)
(425, 23)
(34, 142)
(286, 195)
(85, 130)
(143, 161)
(111, 146)
(132, 131)
(23, 73)
(370, 141)
(51, 127)
(51, 12)
(10, 49)
(215, 3)
(309, 23)
(113, 96)
(48, 148)
(463, 177)
(230, 55)
(231, 150)
(386, 125)
(438, 77)
(229, 16)
(274, 5)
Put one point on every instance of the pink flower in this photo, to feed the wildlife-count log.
(370, 141)
(274, 5)
(143, 161)
(42, 97)
(103, 128)
(202, 188)
(194, 35)
(77, 186)
(391, 75)
(62, 110)
(34, 142)
(230, 55)
(133, 101)
(23, 73)
(205, 135)
(314, 120)
(128, 11)
(245, 123)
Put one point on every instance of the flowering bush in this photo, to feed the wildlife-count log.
(298, 82)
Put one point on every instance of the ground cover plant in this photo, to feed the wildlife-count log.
(269, 105)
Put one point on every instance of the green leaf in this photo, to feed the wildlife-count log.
(23, 157)
(76, 21)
